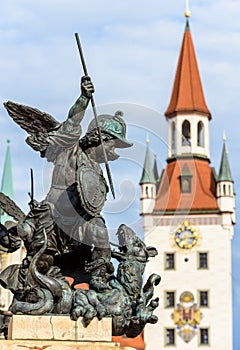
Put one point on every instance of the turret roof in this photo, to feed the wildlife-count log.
(7, 182)
(147, 174)
(225, 172)
(155, 169)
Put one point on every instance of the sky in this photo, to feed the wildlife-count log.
(131, 50)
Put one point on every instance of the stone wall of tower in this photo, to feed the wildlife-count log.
(147, 198)
(216, 279)
(226, 202)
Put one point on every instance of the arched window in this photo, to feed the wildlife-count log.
(229, 190)
(224, 189)
(200, 134)
(173, 137)
(186, 133)
(147, 192)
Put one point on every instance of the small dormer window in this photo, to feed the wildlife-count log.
(186, 133)
(186, 180)
(185, 185)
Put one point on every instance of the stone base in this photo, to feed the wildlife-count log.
(58, 327)
(58, 345)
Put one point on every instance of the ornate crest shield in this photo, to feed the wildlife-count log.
(92, 190)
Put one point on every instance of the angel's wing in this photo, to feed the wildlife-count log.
(10, 207)
(30, 119)
(35, 122)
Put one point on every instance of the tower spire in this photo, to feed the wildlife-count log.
(225, 172)
(147, 184)
(187, 93)
(147, 174)
(7, 182)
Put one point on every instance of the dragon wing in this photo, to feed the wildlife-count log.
(36, 123)
(10, 207)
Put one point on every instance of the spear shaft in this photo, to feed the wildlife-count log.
(95, 117)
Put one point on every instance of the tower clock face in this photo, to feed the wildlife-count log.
(186, 236)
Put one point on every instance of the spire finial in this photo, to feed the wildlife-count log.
(147, 139)
(224, 136)
(187, 12)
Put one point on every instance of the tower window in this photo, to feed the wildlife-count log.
(173, 137)
(170, 336)
(186, 185)
(200, 134)
(204, 336)
(224, 189)
(203, 260)
(186, 133)
(203, 298)
(186, 180)
(169, 299)
(147, 194)
(169, 261)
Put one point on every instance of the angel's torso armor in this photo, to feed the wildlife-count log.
(78, 184)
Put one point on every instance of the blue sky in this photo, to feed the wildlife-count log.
(131, 50)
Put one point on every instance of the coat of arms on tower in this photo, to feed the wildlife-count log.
(187, 317)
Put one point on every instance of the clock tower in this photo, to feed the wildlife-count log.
(190, 221)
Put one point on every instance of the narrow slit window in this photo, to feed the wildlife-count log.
(173, 137)
(200, 133)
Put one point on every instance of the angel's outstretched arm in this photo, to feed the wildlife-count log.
(69, 132)
(76, 112)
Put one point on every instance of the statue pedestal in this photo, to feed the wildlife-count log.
(58, 327)
(55, 332)
(59, 345)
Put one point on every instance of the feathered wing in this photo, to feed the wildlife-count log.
(36, 123)
(10, 207)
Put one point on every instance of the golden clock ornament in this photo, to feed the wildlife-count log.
(186, 236)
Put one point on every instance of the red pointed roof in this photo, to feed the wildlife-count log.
(202, 197)
(135, 343)
(187, 93)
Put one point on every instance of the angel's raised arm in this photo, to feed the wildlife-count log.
(76, 112)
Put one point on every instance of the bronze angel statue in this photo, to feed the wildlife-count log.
(65, 234)
(71, 211)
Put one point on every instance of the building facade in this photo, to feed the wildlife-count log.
(188, 215)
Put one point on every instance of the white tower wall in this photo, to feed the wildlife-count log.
(216, 279)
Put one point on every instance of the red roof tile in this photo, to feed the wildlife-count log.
(136, 343)
(203, 187)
